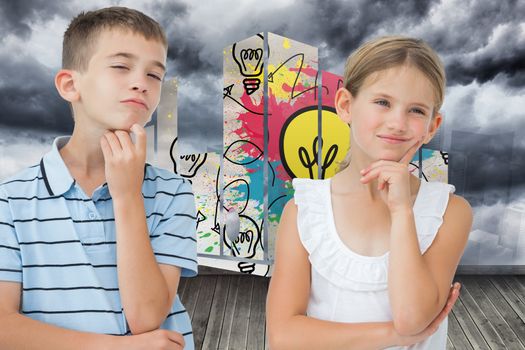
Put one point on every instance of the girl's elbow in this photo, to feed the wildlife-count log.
(277, 337)
(277, 340)
(407, 324)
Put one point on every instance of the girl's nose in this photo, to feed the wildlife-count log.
(397, 120)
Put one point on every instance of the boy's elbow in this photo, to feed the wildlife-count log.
(143, 322)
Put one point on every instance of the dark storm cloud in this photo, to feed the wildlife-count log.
(16, 16)
(28, 97)
(466, 41)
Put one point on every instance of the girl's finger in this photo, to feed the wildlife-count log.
(411, 152)
(372, 174)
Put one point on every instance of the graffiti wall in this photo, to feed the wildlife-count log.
(279, 122)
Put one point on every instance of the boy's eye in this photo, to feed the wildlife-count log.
(155, 76)
(119, 67)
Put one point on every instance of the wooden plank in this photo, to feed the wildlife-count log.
(466, 321)
(498, 311)
(241, 316)
(218, 307)
(190, 294)
(507, 303)
(521, 279)
(182, 284)
(224, 342)
(478, 305)
(518, 288)
(449, 345)
(510, 296)
(201, 315)
(208, 270)
(257, 324)
(456, 334)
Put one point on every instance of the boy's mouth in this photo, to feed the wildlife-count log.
(137, 102)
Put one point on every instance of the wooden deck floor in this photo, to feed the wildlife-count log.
(227, 312)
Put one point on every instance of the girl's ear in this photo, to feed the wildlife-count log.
(433, 128)
(343, 102)
(65, 85)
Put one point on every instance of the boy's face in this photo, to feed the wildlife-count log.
(122, 83)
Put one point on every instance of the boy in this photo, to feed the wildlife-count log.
(93, 241)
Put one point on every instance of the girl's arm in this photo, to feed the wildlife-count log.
(418, 284)
(288, 294)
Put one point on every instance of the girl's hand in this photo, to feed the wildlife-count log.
(434, 325)
(124, 161)
(393, 179)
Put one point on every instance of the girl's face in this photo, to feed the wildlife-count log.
(392, 111)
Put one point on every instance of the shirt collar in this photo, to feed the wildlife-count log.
(55, 174)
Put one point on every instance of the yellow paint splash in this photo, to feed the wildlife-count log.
(286, 43)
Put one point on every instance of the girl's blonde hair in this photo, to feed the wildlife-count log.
(393, 51)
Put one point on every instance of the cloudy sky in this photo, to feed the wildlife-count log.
(481, 42)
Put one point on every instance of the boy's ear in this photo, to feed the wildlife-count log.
(433, 128)
(65, 84)
(343, 102)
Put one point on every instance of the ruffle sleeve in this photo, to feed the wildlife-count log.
(429, 209)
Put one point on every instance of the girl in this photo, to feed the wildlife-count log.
(365, 260)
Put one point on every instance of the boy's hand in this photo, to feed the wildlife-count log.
(124, 161)
(434, 325)
(159, 339)
(393, 179)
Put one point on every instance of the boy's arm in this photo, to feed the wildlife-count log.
(20, 332)
(147, 288)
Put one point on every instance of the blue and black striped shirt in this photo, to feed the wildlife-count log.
(61, 244)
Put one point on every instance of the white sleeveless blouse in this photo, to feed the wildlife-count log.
(349, 287)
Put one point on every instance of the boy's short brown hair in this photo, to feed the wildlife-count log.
(81, 34)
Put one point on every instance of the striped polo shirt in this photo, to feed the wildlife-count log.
(61, 244)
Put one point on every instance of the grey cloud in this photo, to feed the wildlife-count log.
(28, 97)
(16, 16)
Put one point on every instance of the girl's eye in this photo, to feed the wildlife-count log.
(119, 67)
(382, 103)
(418, 111)
(155, 76)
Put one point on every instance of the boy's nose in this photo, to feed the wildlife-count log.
(139, 84)
(139, 87)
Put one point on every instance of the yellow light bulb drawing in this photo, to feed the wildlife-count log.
(299, 143)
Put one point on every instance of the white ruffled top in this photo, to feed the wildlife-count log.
(349, 287)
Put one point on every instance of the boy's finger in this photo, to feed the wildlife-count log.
(140, 134)
(106, 149)
(124, 139)
(176, 338)
(113, 142)
(411, 152)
